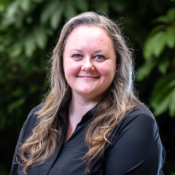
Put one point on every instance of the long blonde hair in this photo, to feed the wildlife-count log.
(119, 100)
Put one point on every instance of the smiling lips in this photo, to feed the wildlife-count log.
(88, 77)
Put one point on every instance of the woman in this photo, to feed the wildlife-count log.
(91, 121)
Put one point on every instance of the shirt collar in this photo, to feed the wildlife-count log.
(63, 113)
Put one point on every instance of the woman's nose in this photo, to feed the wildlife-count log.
(88, 65)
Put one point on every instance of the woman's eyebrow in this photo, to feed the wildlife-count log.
(79, 50)
(97, 51)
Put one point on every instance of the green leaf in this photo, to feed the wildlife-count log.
(162, 82)
(158, 43)
(172, 105)
(163, 106)
(40, 37)
(70, 9)
(25, 5)
(162, 93)
(48, 10)
(81, 5)
(16, 49)
(154, 45)
(171, 14)
(155, 31)
(168, 18)
(12, 9)
(57, 16)
(30, 45)
(148, 49)
(162, 19)
(145, 70)
(162, 90)
(163, 65)
(170, 37)
(15, 104)
(2, 7)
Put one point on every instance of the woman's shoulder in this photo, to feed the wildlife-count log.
(139, 122)
(140, 110)
(138, 115)
(139, 127)
(136, 143)
(35, 109)
(33, 116)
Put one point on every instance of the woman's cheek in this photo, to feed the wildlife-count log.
(73, 70)
(107, 71)
(104, 69)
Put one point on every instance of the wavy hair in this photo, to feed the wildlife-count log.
(116, 103)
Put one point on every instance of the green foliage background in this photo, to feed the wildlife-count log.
(29, 30)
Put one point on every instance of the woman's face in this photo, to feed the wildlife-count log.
(89, 61)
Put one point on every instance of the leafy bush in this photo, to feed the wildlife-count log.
(159, 53)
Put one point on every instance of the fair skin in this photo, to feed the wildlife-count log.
(89, 63)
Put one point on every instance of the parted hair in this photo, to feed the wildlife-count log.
(116, 103)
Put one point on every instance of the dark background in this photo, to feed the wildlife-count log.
(29, 30)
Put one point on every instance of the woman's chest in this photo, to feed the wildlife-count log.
(70, 159)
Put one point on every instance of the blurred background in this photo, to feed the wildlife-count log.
(29, 30)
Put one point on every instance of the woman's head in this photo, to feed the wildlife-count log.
(123, 75)
(89, 62)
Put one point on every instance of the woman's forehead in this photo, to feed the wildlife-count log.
(85, 33)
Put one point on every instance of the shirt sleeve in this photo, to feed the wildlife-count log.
(137, 149)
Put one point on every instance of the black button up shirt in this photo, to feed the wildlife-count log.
(136, 147)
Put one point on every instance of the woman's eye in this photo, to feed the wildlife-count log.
(77, 56)
(99, 58)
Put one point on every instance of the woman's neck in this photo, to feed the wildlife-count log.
(80, 106)
(77, 108)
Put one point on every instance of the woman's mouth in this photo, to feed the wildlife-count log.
(88, 77)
